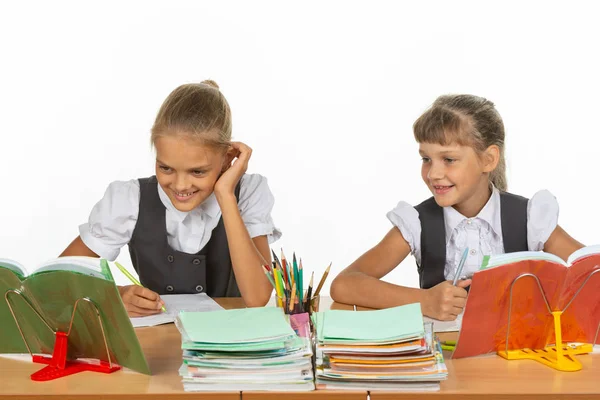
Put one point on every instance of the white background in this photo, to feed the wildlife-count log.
(325, 93)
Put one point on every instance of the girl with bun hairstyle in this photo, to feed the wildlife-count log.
(201, 224)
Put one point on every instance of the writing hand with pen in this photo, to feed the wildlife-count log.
(138, 300)
(446, 300)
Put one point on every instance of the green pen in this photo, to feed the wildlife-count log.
(448, 348)
(132, 278)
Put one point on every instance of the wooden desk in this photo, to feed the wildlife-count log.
(490, 378)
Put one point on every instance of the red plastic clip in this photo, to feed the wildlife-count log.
(58, 366)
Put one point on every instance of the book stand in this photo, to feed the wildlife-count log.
(558, 356)
(58, 365)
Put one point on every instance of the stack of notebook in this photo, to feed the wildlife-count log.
(245, 349)
(369, 350)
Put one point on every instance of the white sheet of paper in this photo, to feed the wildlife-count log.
(445, 326)
(174, 303)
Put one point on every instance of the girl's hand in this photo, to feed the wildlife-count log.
(445, 301)
(140, 301)
(232, 173)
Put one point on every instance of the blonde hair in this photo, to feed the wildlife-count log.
(469, 121)
(196, 109)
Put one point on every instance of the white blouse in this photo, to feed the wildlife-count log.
(113, 219)
(481, 234)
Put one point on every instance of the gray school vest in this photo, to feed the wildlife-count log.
(513, 215)
(168, 271)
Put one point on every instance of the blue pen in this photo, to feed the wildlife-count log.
(461, 264)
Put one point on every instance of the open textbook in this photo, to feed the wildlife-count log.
(572, 286)
(43, 300)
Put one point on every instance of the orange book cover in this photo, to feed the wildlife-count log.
(485, 321)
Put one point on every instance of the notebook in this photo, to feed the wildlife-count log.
(243, 350)
(175, 303)
(378, 327)
(387, 349)
(240, 326)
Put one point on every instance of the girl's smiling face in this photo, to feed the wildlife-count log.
(186, 169)
(457, 176)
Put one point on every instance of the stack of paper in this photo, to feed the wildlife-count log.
(244, 349)
(370, 350)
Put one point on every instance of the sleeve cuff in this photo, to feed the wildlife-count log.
(273, 234)
(542, 219)
(406, 219)
(96, 244)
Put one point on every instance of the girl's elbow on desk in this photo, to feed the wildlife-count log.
(338, 289)
(257, 300)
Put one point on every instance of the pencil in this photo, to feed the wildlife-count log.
(309, 291)
(322, 281)
(461, 264)
(132, 279)
(297, 304)
(295, 270)
(301, 279)
(278, 290)
(278, 264)
(264, 267)
(286, 267)
(292, 299)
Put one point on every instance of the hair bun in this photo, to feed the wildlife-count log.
(210, 82)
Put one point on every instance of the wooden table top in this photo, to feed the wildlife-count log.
(489, 377)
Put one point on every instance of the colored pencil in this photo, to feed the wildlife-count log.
(322, 281)
(269, 277)
(309, 292)
(133, 280)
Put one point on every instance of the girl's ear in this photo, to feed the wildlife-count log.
(228, 159)
(491, 157)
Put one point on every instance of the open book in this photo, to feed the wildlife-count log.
(52, 289)
(573, 283)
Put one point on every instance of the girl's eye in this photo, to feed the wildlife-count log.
(449, 160)
(198, 172)
(164, 169)
(425, 159)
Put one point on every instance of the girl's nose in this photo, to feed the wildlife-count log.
(181, 182)
(435, 172)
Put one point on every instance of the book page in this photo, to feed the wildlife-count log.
(583, 252)
(174, 303)
(83, 265)
(498, 260)
(14, 266)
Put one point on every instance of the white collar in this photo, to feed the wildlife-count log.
(490, 213)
